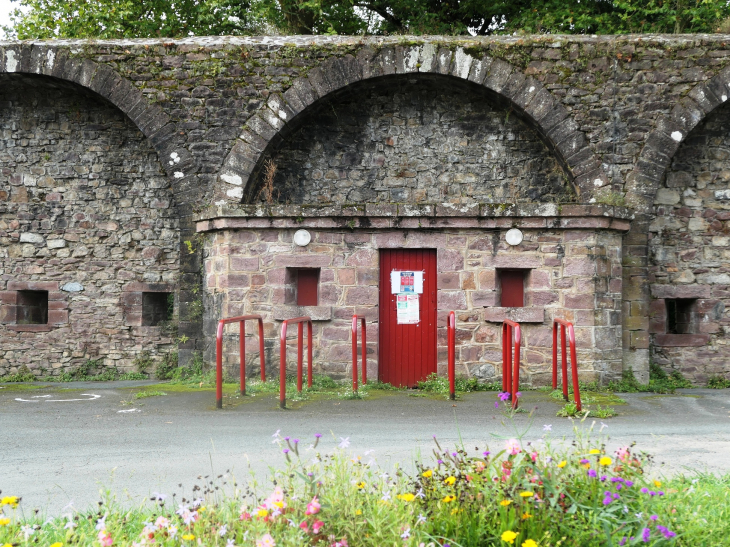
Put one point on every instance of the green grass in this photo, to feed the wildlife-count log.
(440, 385)
(718, 382)
(149, 393)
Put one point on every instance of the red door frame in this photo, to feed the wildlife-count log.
(407, 353)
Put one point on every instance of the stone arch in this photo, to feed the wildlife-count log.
(670, 132)
(527, 96)
(150, 119)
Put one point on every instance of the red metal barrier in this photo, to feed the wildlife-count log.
(299, 321)
(565, 325)
(242, 350)
(451, 330)
(354, 351)
(510, 380)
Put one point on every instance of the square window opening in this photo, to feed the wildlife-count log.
(681, 315)
(157, 308)
(32, 308)
(512, 288)
(307, 286)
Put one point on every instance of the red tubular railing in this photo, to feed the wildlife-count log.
(565, 326)
(451, 331)
(510, 381)
(354, 351)
(242, 350)
(299, 321)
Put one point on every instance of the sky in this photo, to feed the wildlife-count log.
(5, 8)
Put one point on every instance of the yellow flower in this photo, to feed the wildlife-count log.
(427, 473)
(4, 521)
(657, 483)
(360, 485)
(188, 537)
(509, 537)
(526, 494)
(594, 451)
(562, 464)
(12, 501)
(261, 513)
(450, 480)
(57, 544)
(454, 511)
(7, 545)
(201, 509)
(529, 543)
(449, 499)
(605, 460)
(406, 497)
(526, 516)
(505, 503)
(358, 512)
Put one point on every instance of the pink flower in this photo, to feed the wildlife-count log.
(313, 507)
(534, 456)
(266, 541)
(162, 522)
(623, 453)
(341, 543)
(513, 447)
(304, 526)
(317, 526)
(105, 538)
(275, 500)
(245, 515)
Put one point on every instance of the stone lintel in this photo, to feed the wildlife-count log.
(316, 313)
(520, 315)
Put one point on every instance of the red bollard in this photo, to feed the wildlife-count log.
(510, 380)
(282, 352)
(354, 351)
(242, 354)
(451, 331)
(566, 326)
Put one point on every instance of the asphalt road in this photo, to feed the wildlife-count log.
(63, 444)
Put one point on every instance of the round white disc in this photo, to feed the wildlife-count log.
(513, 236)
(302, 238)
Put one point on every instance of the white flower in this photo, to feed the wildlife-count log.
(223, 531)
(547, 427)
(158, 496)
(406, 534)
(27, 531)
(198, 502)
(275, 436)
(100, 524)
(172, 530)
(344, 442)
(70, 525)
(386, 496)
(421, 519)
(181, 509)
(420, 493)
(230, 543)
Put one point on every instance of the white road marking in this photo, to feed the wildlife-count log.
(130, 410)
(35, 398)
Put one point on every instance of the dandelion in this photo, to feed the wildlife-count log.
(266, 541)
(427, 474)
(509, 537)
(344, 442)
(526, 494)
(605, 461)
(450, 480)
(594, 451)
(57, 544)
(526, 516)
(449, 498)
(406, 497)
(562, 464)
(360, 485)
(513, 447)
(4, 521)
(657, 484)
(313, 507)
(505, 503)
(12, 501)
(529, 543)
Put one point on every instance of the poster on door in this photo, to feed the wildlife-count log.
(408, 310)
(404, 282)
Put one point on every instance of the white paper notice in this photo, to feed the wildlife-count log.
(408, 309)
(406, 282)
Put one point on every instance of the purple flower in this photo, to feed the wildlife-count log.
(592, 473)
(486, 453)
(629, 483)
(607, 500)
(439, 462)
(286, 451)
(496, 404)
(454, 454)
(585, 461)
(660, 493)
(653, 517)
(622, 542)
(603, 478)
(652, 493)
(645, 535)
(645, 490)
(616, 497)
(504, 395)
(317, 435)
(286, 438)
(296, 441)
(518, 394)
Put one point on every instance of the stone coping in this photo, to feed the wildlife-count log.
(387, 216)
(551, 40)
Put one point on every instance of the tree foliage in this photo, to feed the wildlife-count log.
(162, 18)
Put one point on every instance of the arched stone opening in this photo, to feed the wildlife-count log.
(411, 139)
(88, 222)
(689, 252)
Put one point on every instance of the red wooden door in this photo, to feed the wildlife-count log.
(513, 288)
(407, 352)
